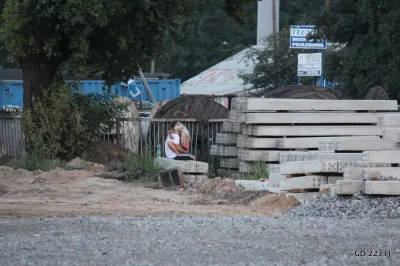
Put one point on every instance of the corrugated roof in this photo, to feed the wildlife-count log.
(223, 78)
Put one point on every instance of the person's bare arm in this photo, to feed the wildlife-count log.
(180, 148)
(172, 146)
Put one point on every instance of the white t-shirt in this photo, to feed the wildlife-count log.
(168, 152)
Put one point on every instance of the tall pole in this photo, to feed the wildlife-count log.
(328, 4)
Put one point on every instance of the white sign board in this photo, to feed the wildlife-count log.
(309, 65)
(298, 38)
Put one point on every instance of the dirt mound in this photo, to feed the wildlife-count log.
(60, 176)
(102, 152)
(277, 201)
(221, 191)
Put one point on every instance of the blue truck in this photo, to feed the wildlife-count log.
(11, 88)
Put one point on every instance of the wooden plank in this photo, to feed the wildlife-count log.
(274, 131)
(254, 155)
(313, 142)
(257, 104)
(311, 118)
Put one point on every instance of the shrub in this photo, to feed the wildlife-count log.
(64, 122)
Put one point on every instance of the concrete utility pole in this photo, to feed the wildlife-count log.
(328, 4)
(267, 19)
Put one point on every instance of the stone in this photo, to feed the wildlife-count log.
(251, 185)
(311, 156)
(311, 118)
(355, 173)
(229, 151)
(113, 166)
(313, 142)
(258, 155)
(389, 120)
(231, 163)
(301, 167)
(303, 182)
(349, 187)
(382, 188)
(358, 145)
(320, 131)
(379, 172)
(265, 104)
(391, 134)
(259, 143)
(382, 157)
(227, 139)
(275, 179)
(303, 197)
(186, 166)
(333, 179)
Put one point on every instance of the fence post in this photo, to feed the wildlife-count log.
(118, 133)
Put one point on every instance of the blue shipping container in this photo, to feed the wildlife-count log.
(11, 92)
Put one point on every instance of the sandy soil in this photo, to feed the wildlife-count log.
(79, 193)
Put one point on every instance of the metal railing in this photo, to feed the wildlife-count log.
(11, 137)
(143, 134)
(135, 134)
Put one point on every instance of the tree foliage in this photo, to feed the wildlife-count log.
(210, 37)
(276, 64)
(64, 122)
(368, 31)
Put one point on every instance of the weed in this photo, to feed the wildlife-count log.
(37, 159)
(141, 167)
(260, 171)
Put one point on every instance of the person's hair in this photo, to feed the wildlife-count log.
(185, 136)
(178, 127)
(173, 124)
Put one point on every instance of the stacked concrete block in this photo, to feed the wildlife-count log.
(226, 149)
(313, 144)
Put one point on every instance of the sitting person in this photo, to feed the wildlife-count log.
(173, 147)
(185, 136)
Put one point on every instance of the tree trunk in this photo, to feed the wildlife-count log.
(37, 76)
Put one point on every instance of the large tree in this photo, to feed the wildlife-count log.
(87, 36)
(368, 32)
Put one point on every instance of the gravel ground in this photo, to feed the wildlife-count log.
(356, 206)
(198, 241)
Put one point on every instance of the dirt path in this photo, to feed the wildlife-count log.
(78, 193)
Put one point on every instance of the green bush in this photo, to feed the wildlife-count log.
(64, 122)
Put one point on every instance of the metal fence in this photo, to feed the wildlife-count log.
(135, 134)
(144, 135)
(11, 138)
